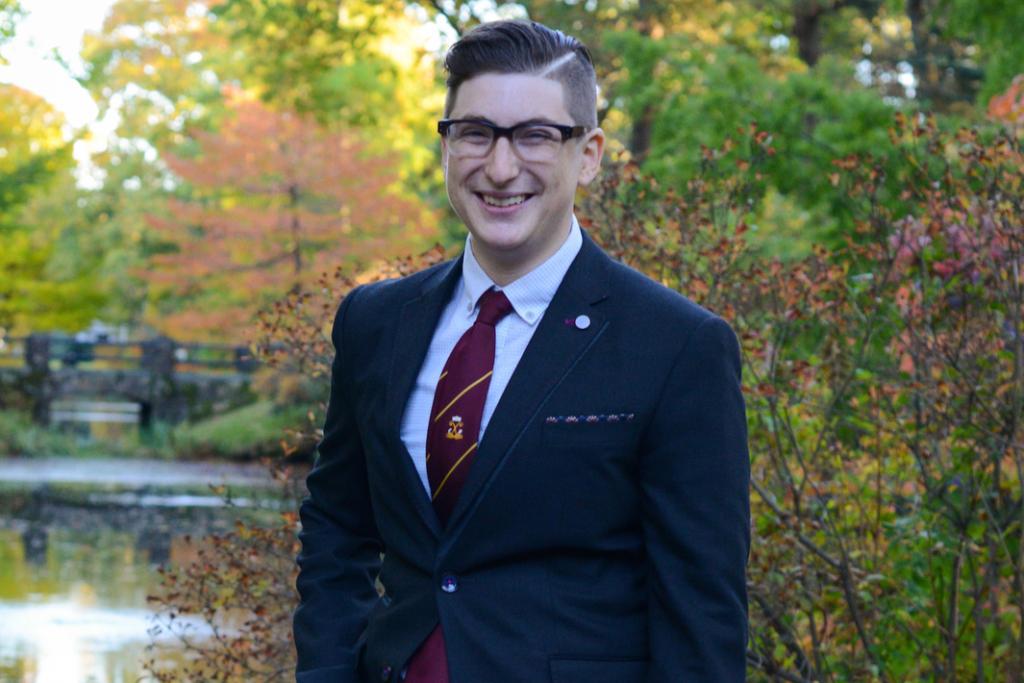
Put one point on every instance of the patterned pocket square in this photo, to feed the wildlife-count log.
(590, 419)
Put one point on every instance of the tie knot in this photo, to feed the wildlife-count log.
(494, 306)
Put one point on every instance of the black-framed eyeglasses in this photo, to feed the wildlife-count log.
(531, 140)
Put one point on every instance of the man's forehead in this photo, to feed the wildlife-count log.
(510, 98)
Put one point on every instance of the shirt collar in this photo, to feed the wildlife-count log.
(531, 293)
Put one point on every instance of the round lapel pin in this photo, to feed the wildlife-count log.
(582, 322)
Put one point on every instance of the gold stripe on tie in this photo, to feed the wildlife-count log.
(461, 394)
(428, 457)
(443, 374)
(461, 458)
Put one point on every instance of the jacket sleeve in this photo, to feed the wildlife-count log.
(695, 478)
(340, 555)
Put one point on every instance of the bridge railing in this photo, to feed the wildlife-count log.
(214, 357)
(60, 351)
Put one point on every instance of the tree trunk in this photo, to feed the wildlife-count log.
(807, 30)
(643, 125)
(296, 228)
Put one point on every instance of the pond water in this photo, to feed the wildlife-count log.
(80, 544)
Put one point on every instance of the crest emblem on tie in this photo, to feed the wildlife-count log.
(454, 428)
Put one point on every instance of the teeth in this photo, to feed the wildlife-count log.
(504, 201)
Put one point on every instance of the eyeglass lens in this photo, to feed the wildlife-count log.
(532, 143)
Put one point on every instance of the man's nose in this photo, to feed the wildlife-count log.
(502, 163)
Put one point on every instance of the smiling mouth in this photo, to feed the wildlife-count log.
(503, 202)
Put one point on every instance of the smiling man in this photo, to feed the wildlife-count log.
(534, 466)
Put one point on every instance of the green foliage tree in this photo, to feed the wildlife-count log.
(335, 72)
(33, 147)
(161, 67)
(358, 64)
(812, 122)
(61, 280)
(32, 153)
(100, 240)
(164, 65)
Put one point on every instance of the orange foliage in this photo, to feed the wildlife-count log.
(1009, 106)
(277, 200)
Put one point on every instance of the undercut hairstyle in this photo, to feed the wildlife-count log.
(526, 47)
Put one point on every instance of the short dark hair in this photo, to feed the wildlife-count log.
(526, 47)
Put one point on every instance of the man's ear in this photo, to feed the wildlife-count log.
(593, 151)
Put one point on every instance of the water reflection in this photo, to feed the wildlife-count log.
(73, 640)
(75, 569)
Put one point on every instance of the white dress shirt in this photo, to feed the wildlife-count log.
(529, 295)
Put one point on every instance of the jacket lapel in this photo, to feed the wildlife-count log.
(551, 353)
(414, 330)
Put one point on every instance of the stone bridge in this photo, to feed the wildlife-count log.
(170, 380)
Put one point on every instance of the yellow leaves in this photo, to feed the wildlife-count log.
(29, 125)
(272, 30)
(892, 27)
(698, 288)
(746, 28)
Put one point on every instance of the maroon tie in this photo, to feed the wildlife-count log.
(452, 437)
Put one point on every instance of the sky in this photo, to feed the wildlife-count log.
(58, 26)
(54, 25)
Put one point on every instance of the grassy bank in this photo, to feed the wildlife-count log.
(248, 432)
(20, 436)
(252, 431)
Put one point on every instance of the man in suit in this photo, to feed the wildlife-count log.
(547, 448)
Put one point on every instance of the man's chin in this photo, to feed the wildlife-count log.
(501, 233)
(499, 246)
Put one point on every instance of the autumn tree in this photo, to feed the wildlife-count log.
(369, 64)
(160, 66)
(275, 200)
(163, 64)
(33, 153)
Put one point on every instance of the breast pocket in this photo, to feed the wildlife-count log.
(592, 466)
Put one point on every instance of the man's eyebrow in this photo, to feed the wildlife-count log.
(540, 119)
(473, 117)
(484, 119)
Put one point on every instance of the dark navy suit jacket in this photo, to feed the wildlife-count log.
(604, 549)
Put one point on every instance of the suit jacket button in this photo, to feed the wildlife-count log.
(385, 672)
(449, 584)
